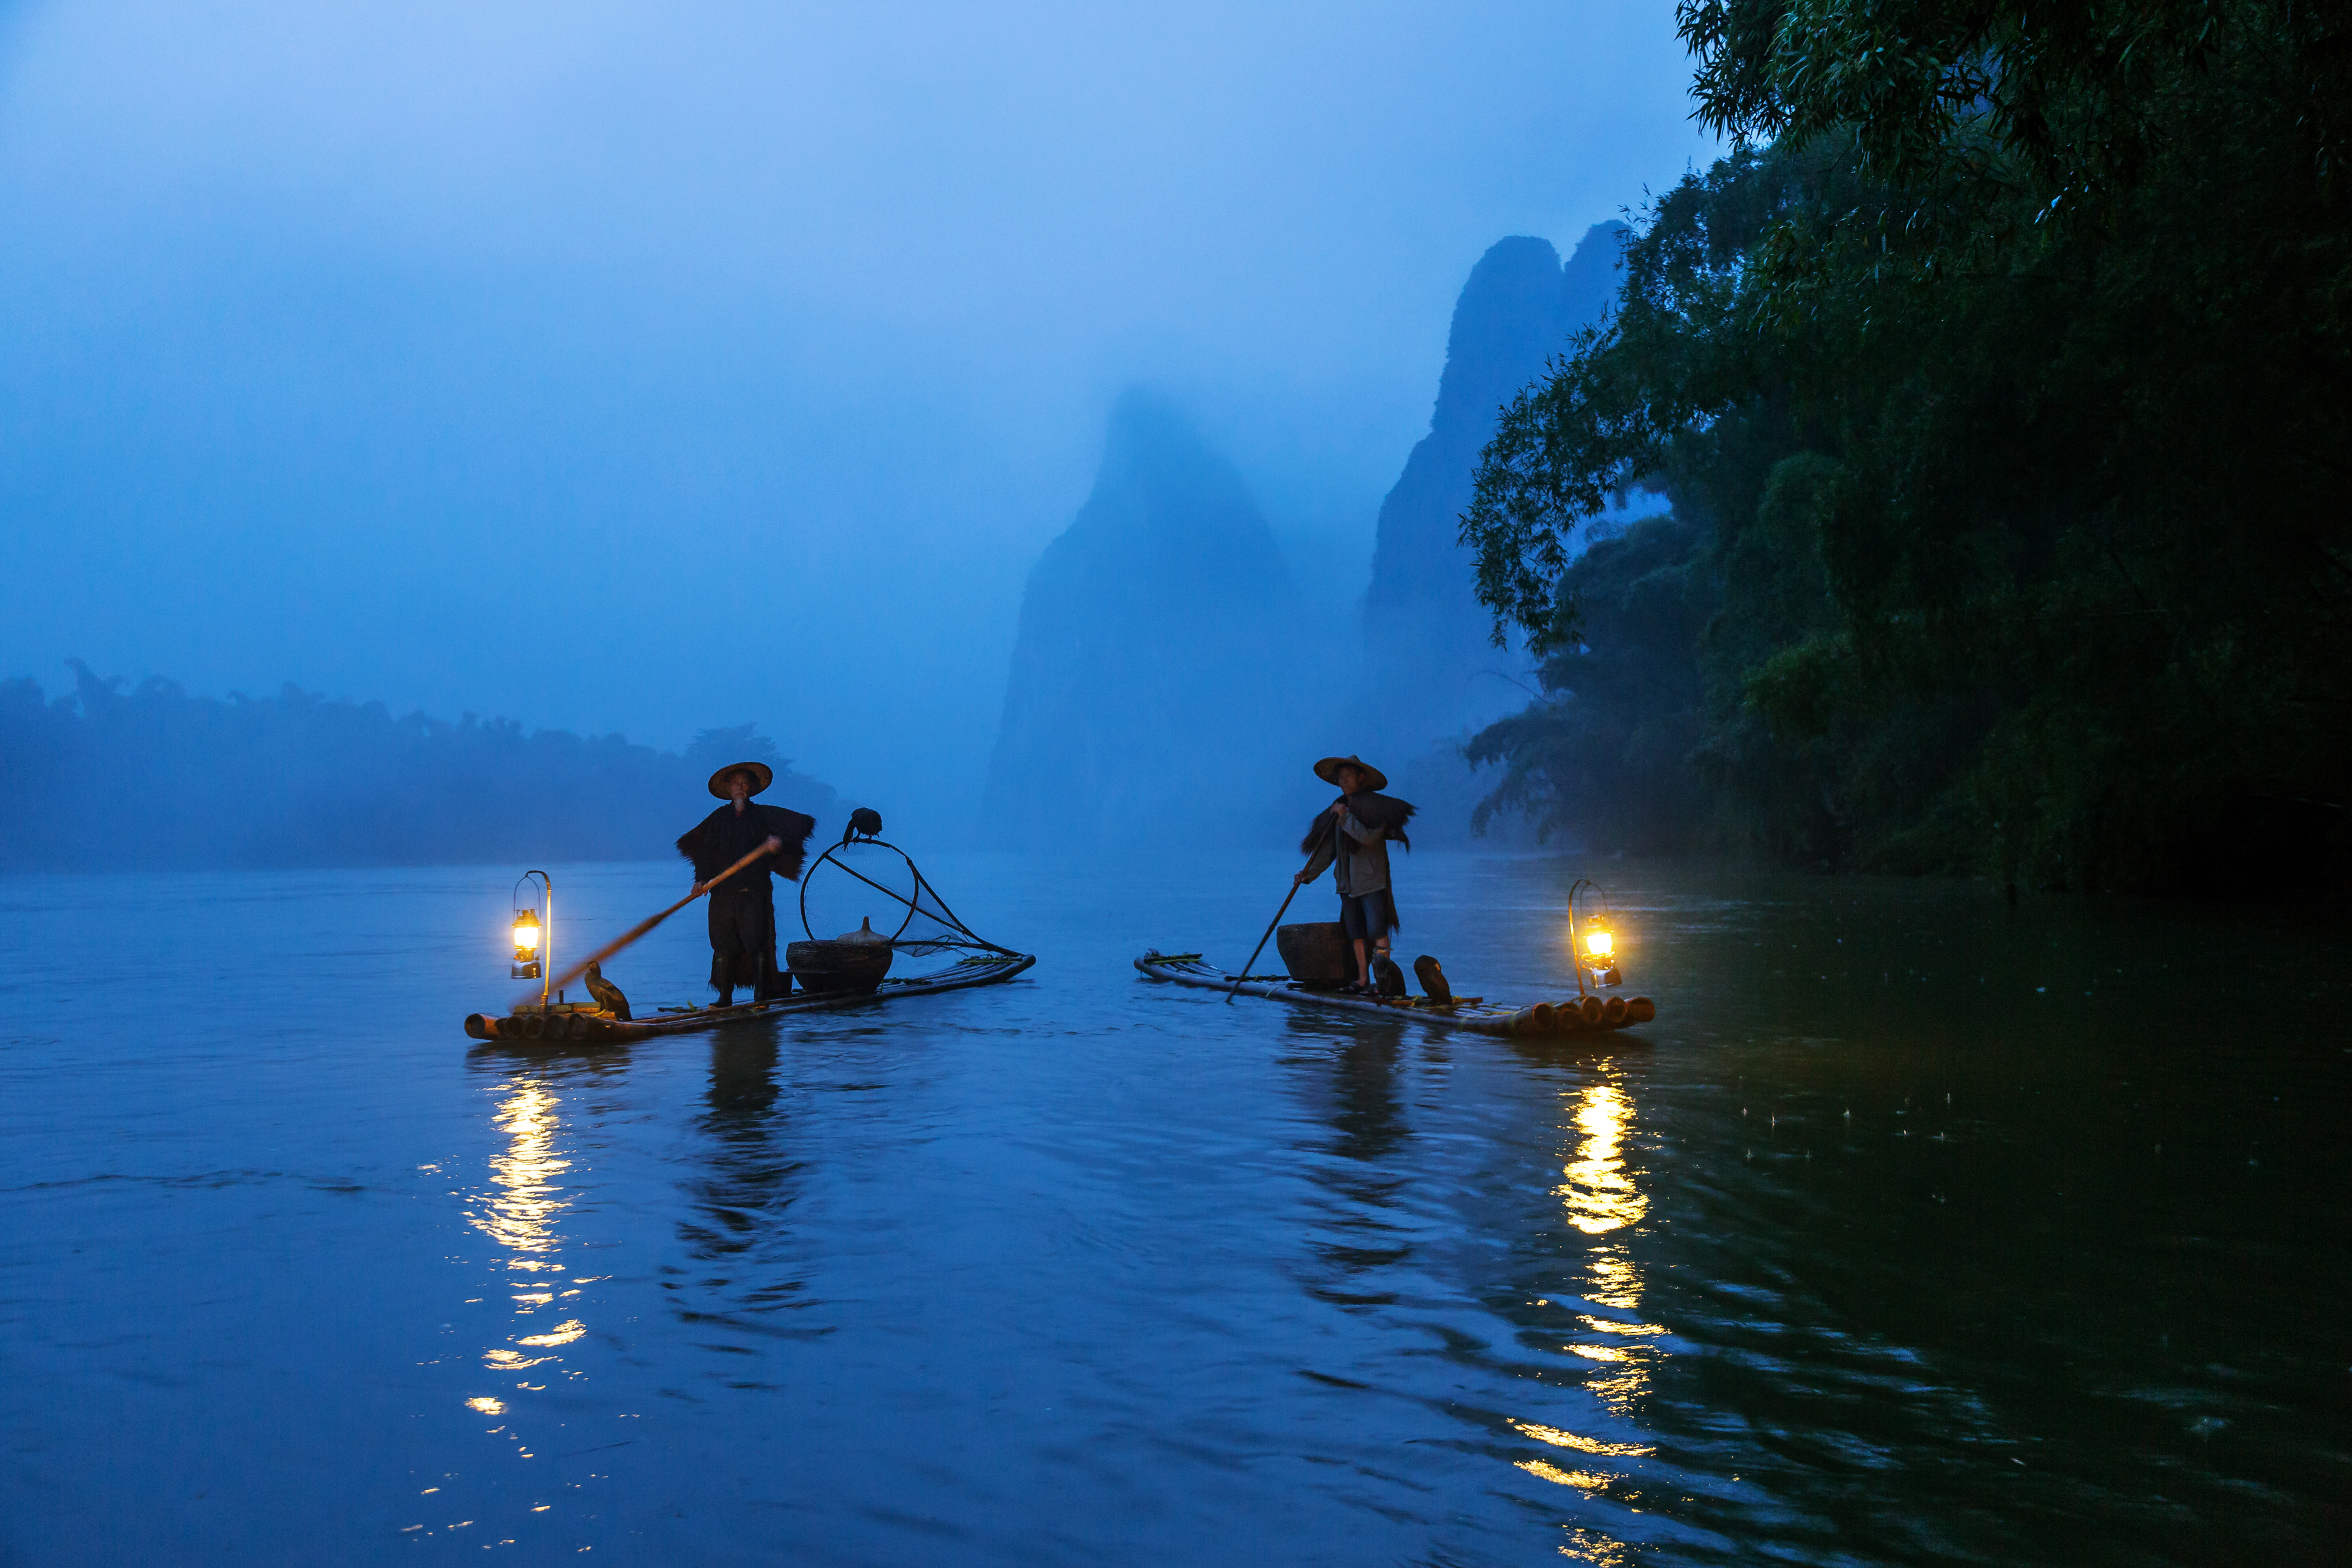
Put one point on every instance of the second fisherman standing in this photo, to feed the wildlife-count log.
(743, 908)
(1353, 837)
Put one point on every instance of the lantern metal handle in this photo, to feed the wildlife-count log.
(545, 905)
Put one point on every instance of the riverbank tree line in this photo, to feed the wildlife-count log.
(113, 776)
(1998, 382)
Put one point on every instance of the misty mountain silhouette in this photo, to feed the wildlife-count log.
(1154, 633)
(1421, 616)
(1432, 673)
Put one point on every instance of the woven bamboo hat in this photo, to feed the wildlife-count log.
(1328, 770)
(761, 774)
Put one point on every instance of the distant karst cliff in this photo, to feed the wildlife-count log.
(1425, 631)
(1433, 676)
(1167, 678)
(1151, 646)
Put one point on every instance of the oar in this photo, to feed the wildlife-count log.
(1278, 918)
(638, 929)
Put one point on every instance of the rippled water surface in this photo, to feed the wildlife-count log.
(1911, 1231)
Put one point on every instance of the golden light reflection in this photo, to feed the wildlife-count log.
(1614, 1281)
(561, 1335)
(1600, 1198)
(520, 1215)
(1584, 1546)
(1599, 1195)
(1581, 1443)
(1585, 1480)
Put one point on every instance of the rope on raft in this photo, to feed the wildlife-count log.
(958, 937)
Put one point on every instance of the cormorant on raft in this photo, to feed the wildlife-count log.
(608, 996)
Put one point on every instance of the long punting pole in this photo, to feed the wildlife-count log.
(1277, 918)
(638, 929)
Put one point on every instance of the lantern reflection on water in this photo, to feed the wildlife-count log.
(1600, 1198)
(518, 1216)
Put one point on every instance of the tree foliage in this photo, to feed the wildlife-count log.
(2018, 535)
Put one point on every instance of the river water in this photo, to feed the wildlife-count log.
(1911, 1230)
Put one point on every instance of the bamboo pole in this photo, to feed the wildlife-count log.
(1294, 886)
(643, 926)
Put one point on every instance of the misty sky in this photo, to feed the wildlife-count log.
(654, 367)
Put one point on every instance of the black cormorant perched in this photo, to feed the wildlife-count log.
(608, 996)
(864, 823)
(1433, 980)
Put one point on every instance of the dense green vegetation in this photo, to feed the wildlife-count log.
(1998, 381)
(151, 778)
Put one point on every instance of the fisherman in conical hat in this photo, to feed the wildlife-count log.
(743, 908)
(1353, 838)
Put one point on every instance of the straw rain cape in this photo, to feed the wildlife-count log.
(721, 839)
(1383, 811)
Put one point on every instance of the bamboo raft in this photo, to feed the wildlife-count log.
(1587, 1015)
(582, 1023)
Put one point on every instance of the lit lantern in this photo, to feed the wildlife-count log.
(526, 936)
(527, 933)
(534, 932)
(1590, 939)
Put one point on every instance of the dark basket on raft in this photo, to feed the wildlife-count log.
(839, 968)
(1317, 954)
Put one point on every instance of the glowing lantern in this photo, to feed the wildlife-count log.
(534, 934)
(1590, 938)
(525, 937)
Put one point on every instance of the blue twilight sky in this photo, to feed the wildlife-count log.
(652, 367)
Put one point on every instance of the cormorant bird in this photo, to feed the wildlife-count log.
(608, 996)
(864, 823)
(1433, 980)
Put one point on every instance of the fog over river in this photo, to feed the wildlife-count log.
(1911, 1230)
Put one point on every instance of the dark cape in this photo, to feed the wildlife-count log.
(726, 836)
(743, 908)
(1373, 811)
